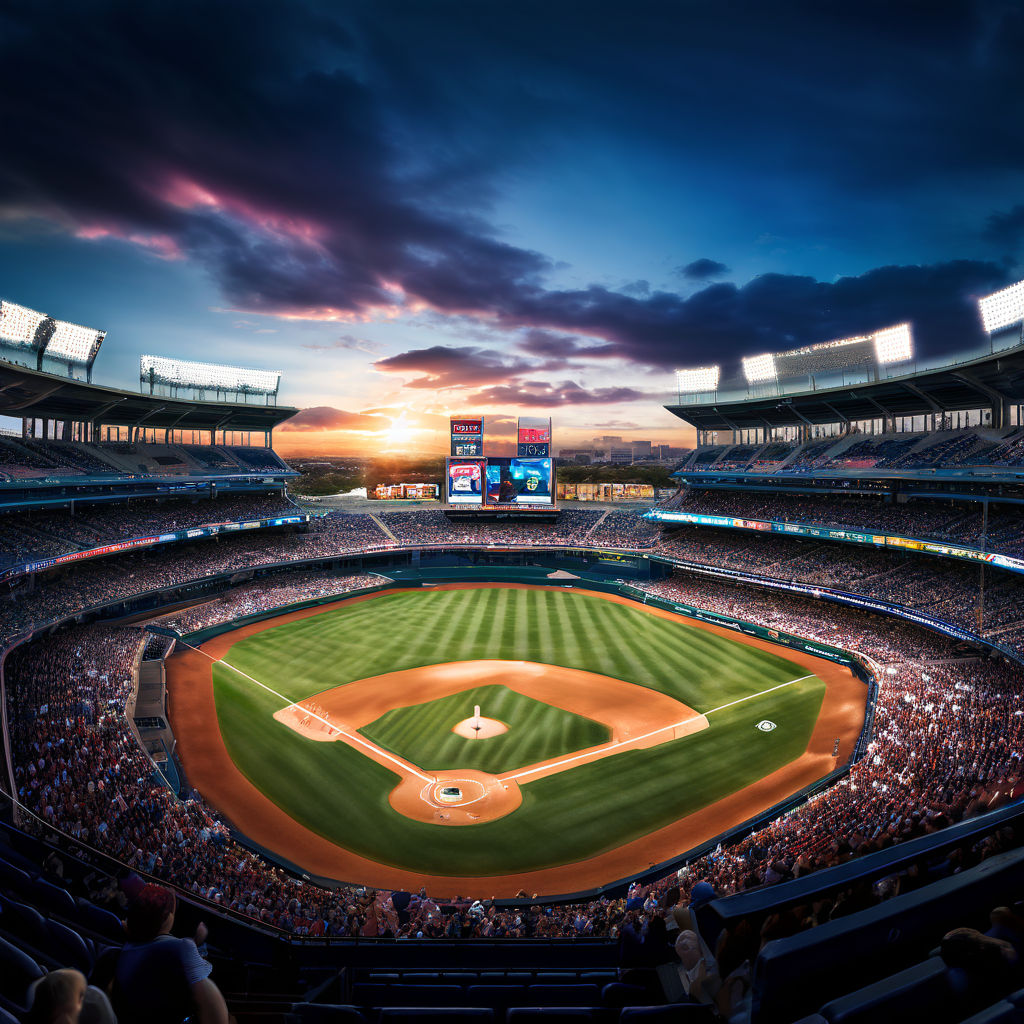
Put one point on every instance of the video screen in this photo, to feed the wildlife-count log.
(466, 482)
(519, 482)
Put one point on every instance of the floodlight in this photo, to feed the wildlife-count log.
(759, 368)
(18, 324)
(1003, 308)
(187, 373)
(700, 378)
(74, 343)
(893, 344)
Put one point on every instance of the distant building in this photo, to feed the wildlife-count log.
(621, 456)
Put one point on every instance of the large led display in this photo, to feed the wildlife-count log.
(519, 482)
(465, 484)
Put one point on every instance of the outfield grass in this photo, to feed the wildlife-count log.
(341, 794)
(422, 733)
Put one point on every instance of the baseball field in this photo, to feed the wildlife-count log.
(343, 737)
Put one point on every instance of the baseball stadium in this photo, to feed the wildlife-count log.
(500, 727)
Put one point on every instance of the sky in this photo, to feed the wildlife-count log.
(542, 208)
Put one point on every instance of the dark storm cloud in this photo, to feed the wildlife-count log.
(703, 270)
(1006, 230)
(774, 312)
(325, 417)
(446, 366)
(328, 162)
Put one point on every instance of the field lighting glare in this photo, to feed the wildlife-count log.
(73, 342)
(18, 324)
(700, 378)
(211, 376)
(759, 368)
(1002, 308)
(893, 344)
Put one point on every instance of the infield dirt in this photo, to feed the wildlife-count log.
(210, 769)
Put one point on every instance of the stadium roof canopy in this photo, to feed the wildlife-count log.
(31, 394)
(993, 380)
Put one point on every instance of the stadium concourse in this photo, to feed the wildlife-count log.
(113, 554)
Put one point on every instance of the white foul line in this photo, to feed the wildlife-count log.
(637, 739)
(404, 765)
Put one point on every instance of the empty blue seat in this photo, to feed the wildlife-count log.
(17, 972)
(569, 1014)
(65, 945)
(921, 991)
(99, 921)
(619, 994)
(325, 1013)
(673, 1013)
(1001, 1013)
(51, 897)
(423, 1014)
(13, 878)
(498, 996)
(564, 995)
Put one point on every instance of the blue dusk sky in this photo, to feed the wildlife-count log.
(419, 208)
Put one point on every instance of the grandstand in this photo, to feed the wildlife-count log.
(881, 519)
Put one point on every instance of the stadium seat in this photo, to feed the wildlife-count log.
(68, 947)
(51, 897)
(550, 1013)
(327, 1013)
(17, 972)
(795, 976)
(619, 994)
(99, 921)
(563, 995)
(673, 1013)
(498, 996)
(1001, 1013)
(922, 990)
(424, 1014)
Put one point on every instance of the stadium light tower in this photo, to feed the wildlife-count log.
(759, 369)
(893, 345)
(697, 380)
(1002, 309)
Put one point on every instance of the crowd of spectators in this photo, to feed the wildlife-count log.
(26, 537)
(946, 744)
(959, 522)
(262, 595)
(27, 458)
(432, 526)
(944, 589)
(903, 450)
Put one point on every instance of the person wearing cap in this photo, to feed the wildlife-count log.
(161, 979)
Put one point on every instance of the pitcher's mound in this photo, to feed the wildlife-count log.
(488, 727)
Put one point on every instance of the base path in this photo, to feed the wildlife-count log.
(209, 768)
(636, 717)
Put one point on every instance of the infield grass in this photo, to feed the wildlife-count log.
(341, 794)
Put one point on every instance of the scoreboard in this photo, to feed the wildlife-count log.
(534, 437)
(467, 436)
